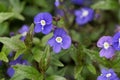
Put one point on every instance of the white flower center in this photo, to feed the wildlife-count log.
(85, 13)
(24, 34)
(58, 39)
(108, 75)
(106, 45)
(43, 23)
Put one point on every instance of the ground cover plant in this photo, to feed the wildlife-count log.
(59, 39)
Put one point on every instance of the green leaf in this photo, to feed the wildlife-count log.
(18, 16)
(23, 71)
(13, 43)
(17, 5)
(37, 54)
(29, 36)
(55, 77)
(56, 62)
(106, 5)
(46, 38)
(3, 57)
(45, 60)
(78, 70)
(3, 28)
(91, 68)
(5, 15)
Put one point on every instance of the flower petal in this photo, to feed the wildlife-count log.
(38, 28)
(51, 41)
(47, 29)
(56, 48)
(10, 72)
(59, 32)
(104, 39)
(66, 42)
(109, 53)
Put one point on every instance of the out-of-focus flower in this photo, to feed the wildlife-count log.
(59, 40)
(57, 3)
(105, 43)
(84, 15)
(24, 31)
(78, 2)
(117, 28)
(43, 22)
(108, 75)
(116, 41)
(19, 60)
(0, 63)
(10, 71)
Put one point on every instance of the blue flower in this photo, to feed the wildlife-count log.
(57, 3)
(107, 75)
(59, 40)
(116, 41)
(10, 71)
(0, 62)
(84, 15)
(78, 2)
(43, 22)
(24, 31)
(19, 60)
(105, 43)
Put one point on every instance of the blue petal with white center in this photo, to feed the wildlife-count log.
(84, 15)
(43, 22)
(59, 40)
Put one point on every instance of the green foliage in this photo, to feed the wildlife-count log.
(3, 57)
(5, 15)
(28, 71)
(80, 62)
(55, 77)
(106, 5)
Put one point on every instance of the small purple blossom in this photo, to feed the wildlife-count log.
(108, 75)
(116, 41)
(84, 15)
(10, 71)
(78, 2)
(43, 22)
(0, 62)
(57, 3)
(24, 31)
(105, 43)
(19, 60)
(59, 40)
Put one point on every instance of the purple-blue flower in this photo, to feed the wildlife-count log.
(59, 40)
(43, 22)
(84, 15)
(57, 3)
(0, 62)
(108, 75)
(10, 71)
(116, 41)
(19, 60)
(78, 2)
(105, 43)
(23, 31)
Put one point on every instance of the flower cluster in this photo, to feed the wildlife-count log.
(109, 45)
(108, 75)
(19, 60)
(60, 39)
